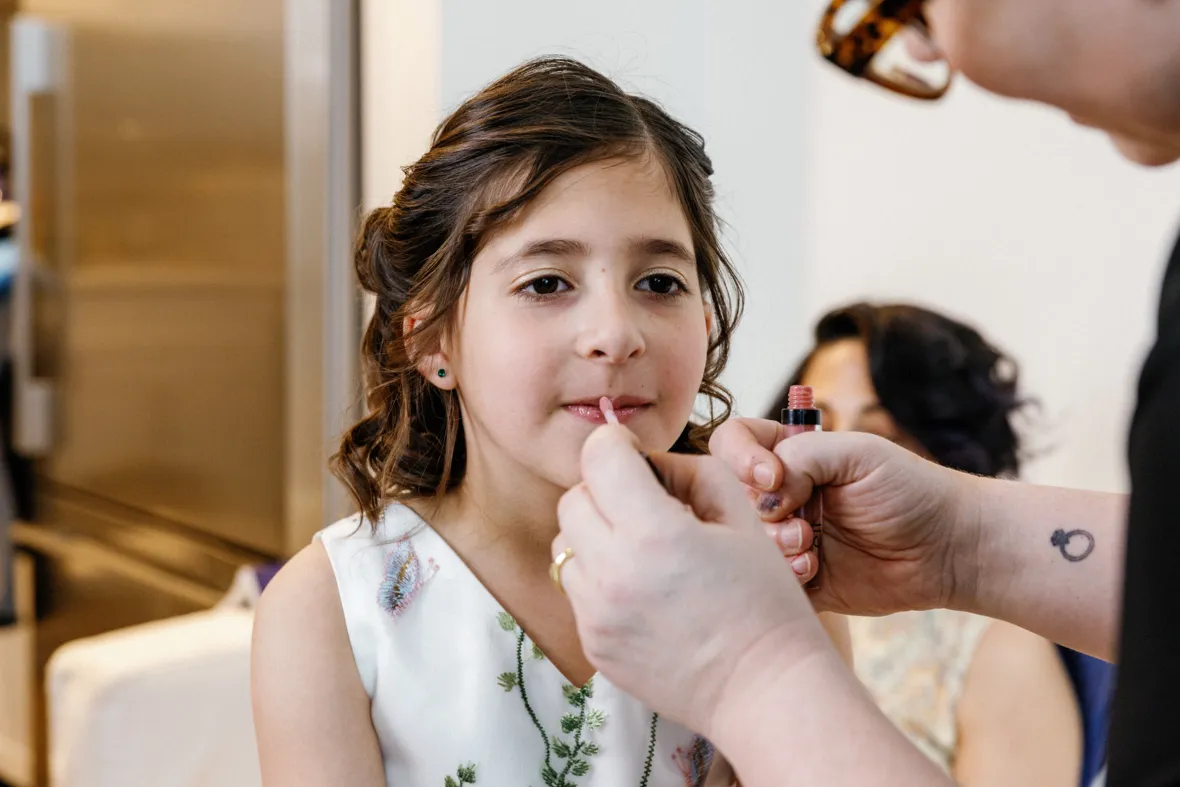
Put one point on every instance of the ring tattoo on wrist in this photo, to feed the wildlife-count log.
(1078, 551)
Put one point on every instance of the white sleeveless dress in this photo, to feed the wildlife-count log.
(461, 695)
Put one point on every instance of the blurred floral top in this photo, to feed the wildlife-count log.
(914, 664)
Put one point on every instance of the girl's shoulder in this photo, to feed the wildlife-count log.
(301, 658)
(360, 551)
(397, 523)
(299, 612)
(328, 595)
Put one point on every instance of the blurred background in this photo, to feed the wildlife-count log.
(181, 181)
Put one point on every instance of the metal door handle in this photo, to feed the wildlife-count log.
(39, 69)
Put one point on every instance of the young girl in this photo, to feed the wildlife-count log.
(557, 244)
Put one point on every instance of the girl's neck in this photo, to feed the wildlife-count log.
(501, 521)
(503, 502)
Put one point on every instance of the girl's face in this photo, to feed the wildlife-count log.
(591, 292)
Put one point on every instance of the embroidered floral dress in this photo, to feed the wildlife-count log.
(915, 665)
(461, 695)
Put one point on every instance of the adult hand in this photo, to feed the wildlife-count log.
(899, 532)
(678, 597)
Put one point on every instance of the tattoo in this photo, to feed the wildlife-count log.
(1061, 540)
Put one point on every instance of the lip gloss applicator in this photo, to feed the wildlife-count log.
(801, 415)
(608, 412)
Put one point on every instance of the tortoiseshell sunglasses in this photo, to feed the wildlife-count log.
(886, 42)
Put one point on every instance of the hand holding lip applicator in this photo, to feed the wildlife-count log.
(801, 416)
(608, 412)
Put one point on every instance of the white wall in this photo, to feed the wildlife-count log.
(999, 213)
(1009, 216)
(399, 96)
(709, 63)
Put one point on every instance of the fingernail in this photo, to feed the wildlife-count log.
(769, 502)
(764, 475)
(802, 564)
(790, 538)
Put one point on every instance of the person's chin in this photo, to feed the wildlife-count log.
(566, 481)
(1148, 154)
(564, 472)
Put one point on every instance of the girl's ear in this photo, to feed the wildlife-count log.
(435, 366)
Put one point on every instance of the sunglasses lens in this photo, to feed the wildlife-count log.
(848, 16)
(912, 63)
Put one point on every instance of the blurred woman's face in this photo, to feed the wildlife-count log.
(839, 374)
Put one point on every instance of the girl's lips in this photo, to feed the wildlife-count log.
(593, 413)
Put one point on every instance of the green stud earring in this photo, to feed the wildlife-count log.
(442, 372)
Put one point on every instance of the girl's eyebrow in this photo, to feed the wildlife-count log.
(549, 247)
(564, 247)
(662, 247)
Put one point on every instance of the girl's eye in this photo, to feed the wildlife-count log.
(545, 285)
(662, 284)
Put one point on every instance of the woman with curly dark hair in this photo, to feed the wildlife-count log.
(989, 702)
(939, 388)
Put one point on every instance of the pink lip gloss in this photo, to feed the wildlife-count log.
(801, 416)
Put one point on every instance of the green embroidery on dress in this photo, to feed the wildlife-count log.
(575, 752)
(571, 723)
(651, 750)
(524, 695)
(466, 774)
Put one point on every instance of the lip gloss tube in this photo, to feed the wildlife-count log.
(801, 415)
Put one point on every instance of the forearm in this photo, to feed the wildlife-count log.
(1036, 568)
(813, 723)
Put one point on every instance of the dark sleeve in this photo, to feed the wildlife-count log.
(1145, 731)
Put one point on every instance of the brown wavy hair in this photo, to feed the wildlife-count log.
(941, 381)
(487, 161)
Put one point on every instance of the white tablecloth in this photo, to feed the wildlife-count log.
(166, 704)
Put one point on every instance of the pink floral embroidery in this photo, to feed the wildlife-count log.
(404, 577)
(694, 763)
